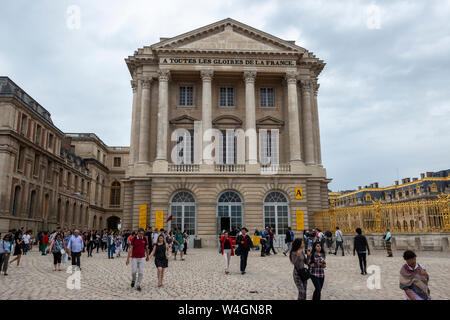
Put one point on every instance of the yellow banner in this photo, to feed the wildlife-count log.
(143, 216)
(256, 240)
(300, 220)
(298, 193)
(159, 219)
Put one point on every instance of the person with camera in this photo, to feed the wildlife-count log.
(244, 243)
(300, 260)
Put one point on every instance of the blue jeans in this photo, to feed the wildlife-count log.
(244, 256)
(111, 250)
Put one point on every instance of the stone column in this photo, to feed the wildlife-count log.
(163, 111)
(144, 130)
(250, 121)
(307, 122)
(206, 75)
(294, 127)
(133, 135)
(317, 126)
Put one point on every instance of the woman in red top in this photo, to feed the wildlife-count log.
(226, 250)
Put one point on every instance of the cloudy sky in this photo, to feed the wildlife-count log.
(384, 99)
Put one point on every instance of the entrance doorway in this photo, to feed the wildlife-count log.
(113, 223)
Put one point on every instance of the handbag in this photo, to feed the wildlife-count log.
(303, 273)
(63, 251)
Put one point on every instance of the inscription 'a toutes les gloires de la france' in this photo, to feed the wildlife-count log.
(241, 62)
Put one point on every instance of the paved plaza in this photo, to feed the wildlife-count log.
(201, 276)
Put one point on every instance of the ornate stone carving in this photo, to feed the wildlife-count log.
(316, 88)
(146, 83)
(306, 85)
(249, 76)
(207, 74)
(133, 85)
(291, 77)
(163, 75)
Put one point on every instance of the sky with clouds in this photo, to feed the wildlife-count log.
(384, 98)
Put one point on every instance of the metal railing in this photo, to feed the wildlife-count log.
(406, 217)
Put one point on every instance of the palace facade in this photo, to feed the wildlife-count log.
(49, 178)
(225, 133)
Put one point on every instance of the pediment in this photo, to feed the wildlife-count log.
(227, 120)
(226, 35)
(269, 121)
(183, 120)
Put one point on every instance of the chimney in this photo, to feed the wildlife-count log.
(396, 182)
(371, 185)
(422, 175)
(415, 179)
(359, 187)
(375, 185)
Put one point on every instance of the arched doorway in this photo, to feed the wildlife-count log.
(183, 211)
(276, 212)
(229, 211)
(113, 223)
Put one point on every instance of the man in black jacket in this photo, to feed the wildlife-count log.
(329, 238)
(245, 243)
(361, 247)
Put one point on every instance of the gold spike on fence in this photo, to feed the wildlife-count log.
(405, 217)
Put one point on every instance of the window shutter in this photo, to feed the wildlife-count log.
(263, 146)
(230, 146)
(275, 146)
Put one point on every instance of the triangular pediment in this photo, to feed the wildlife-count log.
(269, 121)
(227, 35)
(183, 120)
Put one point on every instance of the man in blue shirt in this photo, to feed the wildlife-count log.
(76, 245)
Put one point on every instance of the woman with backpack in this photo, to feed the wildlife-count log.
(317, 269)
(300, 260)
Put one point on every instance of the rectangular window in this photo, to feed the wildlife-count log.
(37, 139)
(50, 141)
(266, 97)
(227, 147)
(23, 125)
(36, 165)
(20, 158)
(185, 146)
(117, 161)
(226, 96)
(186, 96)
(269, 146)
(49, 170)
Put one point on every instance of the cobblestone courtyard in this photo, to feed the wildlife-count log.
(201, 276)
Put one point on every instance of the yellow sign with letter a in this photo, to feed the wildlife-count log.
(159, 219)
(298, 193)
(300, 220)
(143, 216)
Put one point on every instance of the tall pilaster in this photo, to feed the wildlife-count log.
(163, 111)
(206, 75)
(250, 117)
(307, 122)
(144, 130)
(318, 150)
(133, 135)
(294, 126)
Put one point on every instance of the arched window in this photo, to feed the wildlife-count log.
(276, 212)
(65, 220)
(74, 213)
(94, 222)
(100, 222)
(45, 206)
(433, 188)
(80, 218)
(115, 194)
(32, 204)
(229, 205)
(15, 204)
(182, 209)
(58, 212)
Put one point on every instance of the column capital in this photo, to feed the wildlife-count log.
(163, 74)
(307, 85)
(134, 85)
(146, 83)
(249, 76)
(291, 77)
(206, 74)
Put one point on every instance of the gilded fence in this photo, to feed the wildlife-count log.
(404, 217)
